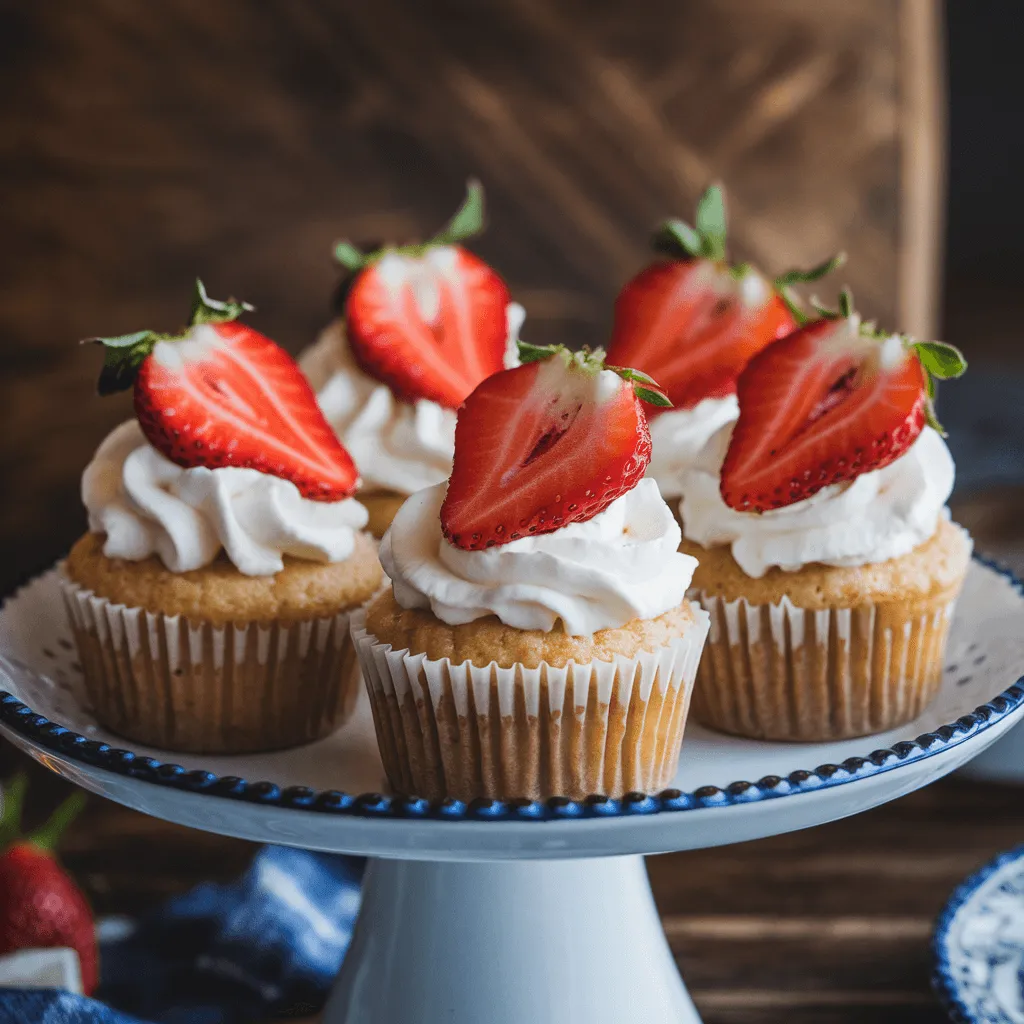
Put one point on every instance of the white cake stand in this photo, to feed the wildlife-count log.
(522, 913)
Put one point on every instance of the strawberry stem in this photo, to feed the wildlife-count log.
(212, 311)
(13, 800)
(47, 837)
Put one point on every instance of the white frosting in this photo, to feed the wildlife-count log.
(678, 436)
(875, 517)
(397, 446)
(147, 505)
(623, 564)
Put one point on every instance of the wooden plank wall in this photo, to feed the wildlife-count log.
(141, 144)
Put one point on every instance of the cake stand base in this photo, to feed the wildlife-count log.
(572, 942)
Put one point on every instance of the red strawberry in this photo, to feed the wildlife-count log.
(552, 442)
(693, 322)
(428, 320)
(40, 905)
(222, 394)
(833, 400)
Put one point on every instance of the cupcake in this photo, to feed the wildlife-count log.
(210, 599)
(419, 327)
(537, 640)
(828, 560)
(692, 321)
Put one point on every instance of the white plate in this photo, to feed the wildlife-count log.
(727, 789)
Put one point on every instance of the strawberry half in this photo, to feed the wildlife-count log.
(552, 442)
(693, 321)
(833, 400)
(40, 905)
(221, 394)
(428, 320)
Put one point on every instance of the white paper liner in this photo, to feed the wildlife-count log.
(779, 672)
(175, 684)
(463, 731)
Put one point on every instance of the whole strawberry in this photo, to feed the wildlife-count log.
(692, 320)
(221, 394)
(427, 319)
(40, 905)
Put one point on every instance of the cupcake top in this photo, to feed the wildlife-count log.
(420, 326)
(693, 321)
(546, 517)
(836, 457)
(230, 452)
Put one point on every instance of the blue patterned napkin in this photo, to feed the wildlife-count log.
(269, 944)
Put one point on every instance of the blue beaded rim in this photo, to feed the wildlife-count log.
(63, 741)
(944, 984)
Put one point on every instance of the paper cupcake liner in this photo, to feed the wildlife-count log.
(168, 682)
(779, 672)
(463, 731)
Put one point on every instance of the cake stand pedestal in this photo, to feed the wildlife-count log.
(508, 943)
(510, 913)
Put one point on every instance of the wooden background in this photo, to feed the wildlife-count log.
(142, 143)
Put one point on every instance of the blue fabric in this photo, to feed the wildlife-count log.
(269, 944)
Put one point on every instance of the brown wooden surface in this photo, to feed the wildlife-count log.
(142, 143)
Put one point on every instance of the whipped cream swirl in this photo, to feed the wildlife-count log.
(148, 505)
(877, 516)
(621, 565)
(397, 446)
(678, 437)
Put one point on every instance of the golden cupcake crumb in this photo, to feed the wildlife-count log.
(218, 593)
(935, 567)
(488, 639)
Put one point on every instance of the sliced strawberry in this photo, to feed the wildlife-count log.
(833, 400)
(552, 442)
(693, 322)
(222, 394)
(428, 320)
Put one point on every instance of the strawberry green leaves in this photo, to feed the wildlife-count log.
(941, 360)
(705, 241)
(644, 387)
(122, 357)
(647, 391)
(784, 283)
(468, 221)
(711, 222)
(125, 353)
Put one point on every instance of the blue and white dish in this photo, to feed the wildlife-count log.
(979, 945)
(332, 794)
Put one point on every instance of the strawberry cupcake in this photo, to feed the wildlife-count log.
(828, 560)
(692, 321)
(419, 327)
(210, 598)
(537, 640)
